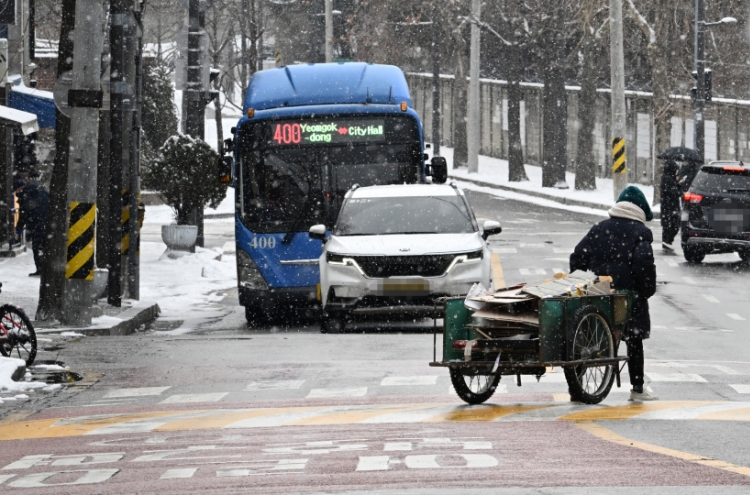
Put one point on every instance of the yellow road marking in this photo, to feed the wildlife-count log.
(629, 411)
(497, 270)
(223, 419)
(731, 415)
(356, 416)
(610, 436)
(480, 414)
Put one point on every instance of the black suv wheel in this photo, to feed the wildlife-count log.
(693, 254)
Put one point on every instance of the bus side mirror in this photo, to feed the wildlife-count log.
(318, 232)
(491, 227)
(225, 169)
(438, 170)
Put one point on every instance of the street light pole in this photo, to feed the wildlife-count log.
(699, 105)
(473, 127)
(329, 30)
(617, 66)
(435, 80)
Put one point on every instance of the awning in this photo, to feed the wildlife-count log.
(25, 120)
(35, 101)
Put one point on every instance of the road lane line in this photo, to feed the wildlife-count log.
(672, 263)
(275, 385)
(326, 393)
(498, 277)
(223, 419)
(711, 299)
(186, 398)
(504, 250)
(135, 392)
(482, 413)
(628, 411)
(403, 381)
(735, 316)
(610, 436)
(741, 388)
(689, 280)
(676, 377)
(172, 474)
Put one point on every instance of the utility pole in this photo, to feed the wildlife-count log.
(84, 100)
(119, 19)
(619, 170)
(699, 104)
(133, 252)
(473, 127)
(435, 79)
(329, 30)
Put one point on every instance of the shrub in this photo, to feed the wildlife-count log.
(184, 174)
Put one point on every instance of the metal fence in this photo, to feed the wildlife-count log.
(727, 124)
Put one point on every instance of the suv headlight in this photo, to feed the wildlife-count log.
(340, 259)
(247, 272)
(466, 258)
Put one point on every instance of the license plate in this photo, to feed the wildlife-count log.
(405, 287)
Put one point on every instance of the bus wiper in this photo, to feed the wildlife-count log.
(295, 226)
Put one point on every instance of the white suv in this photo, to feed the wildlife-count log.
(394, 249)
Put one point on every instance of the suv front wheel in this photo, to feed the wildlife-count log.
(693, 254)
(332, 323)
(744, 255)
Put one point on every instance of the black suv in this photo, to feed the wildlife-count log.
(716, 212)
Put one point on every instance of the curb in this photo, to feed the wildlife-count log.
(132, 319)
(537, 194)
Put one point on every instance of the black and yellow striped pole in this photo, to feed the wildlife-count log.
(84, 100)
(618, 156)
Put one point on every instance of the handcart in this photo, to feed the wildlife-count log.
(524, 335)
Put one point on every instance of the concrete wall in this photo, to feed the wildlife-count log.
(727, 125)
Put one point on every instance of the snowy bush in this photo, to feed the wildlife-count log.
(184, 174)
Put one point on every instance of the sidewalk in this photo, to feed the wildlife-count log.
(185, 292)
(492, 178)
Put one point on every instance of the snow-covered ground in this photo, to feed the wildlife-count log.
(495, 171)
(18, 391)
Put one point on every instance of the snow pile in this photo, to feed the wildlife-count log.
(495, 171)
(8, 366)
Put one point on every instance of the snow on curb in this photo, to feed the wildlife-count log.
(11, 368)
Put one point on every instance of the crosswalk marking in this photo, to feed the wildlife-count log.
(532, 271)
(563, 250)
(319, 393)
(504, 250)
(135, 392)
(675, 377)
(532, 245)
(397, 381)
(726, 369)
(689, 280)
(672, 263)
(172, 474)
(187, 398)
(711, 299)
(275, 385)
(735, 316)
(741, 388)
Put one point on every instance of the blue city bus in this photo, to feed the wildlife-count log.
(308, 134)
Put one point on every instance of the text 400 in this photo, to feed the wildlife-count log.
(263, 242)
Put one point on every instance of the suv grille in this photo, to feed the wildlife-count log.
(404, 266)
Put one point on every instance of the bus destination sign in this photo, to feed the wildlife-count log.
(334, 131)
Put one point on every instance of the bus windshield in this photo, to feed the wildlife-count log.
(294, 173)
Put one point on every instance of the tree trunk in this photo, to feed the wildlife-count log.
(460, 103)
(52, 284)
(585, 163)
(516, 169)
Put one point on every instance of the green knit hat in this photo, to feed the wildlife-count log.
(634, 195)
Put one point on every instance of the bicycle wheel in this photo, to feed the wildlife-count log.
(19, 338)
(474, 386)
(592, 340)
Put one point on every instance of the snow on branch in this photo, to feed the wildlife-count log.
(489, 28)
(642, 22)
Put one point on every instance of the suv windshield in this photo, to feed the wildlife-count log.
(718, 180)
(405, 215)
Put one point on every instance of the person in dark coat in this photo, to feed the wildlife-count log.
(670, 204)
(620, 247)
(34, 204)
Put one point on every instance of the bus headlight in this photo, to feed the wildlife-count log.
(248, 274)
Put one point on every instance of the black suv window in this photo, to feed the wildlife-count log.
(722, 180)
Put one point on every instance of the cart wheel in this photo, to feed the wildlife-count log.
(472, 386)
(592, 338)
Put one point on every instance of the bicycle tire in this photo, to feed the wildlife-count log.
(20, 338)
